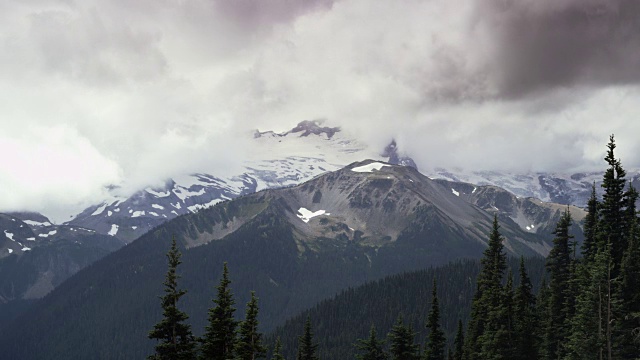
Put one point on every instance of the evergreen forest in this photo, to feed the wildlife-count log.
(582, 302)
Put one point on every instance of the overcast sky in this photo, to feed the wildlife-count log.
(98, 92)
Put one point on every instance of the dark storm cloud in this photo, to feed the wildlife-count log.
(546, 44)
(253, 14)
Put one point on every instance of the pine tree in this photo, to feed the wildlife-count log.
(436, 342)
(306, 348)
(583, 338)
(401, 342)
(613, 241)
(497, 340)
(458, 343)
(525, 324)
(590, 229)
(371, 348)
(277, 350)
(488, 297)
(590, 336)
(174, 334)
(628, 295)
(220, 335)
(543, 316)
(612, 220)
(559, 267)
(249, 345)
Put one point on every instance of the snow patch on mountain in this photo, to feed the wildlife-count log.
(369, 167)
(99, 210)
(50, 233)
(158, 193)
(114, 230)
(36, 223)
(306, 215)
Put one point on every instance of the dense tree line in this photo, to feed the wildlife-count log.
(224, 337)
(586, 307)
(590, 307)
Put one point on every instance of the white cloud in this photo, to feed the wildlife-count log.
(146, 89)
(50, 169)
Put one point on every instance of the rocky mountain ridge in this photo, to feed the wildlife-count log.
(294, 246)
(318, 149)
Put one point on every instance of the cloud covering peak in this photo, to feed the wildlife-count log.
(128, 93)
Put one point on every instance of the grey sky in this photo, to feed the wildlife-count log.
(122, 92)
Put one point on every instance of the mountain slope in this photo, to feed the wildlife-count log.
(286, 159)
(279, 160)
(36, 256)
(381, 220)
(338, 322)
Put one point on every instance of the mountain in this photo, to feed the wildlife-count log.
(294, 246)
(302, 153)
(280, 160)
(561, 188)
(36, 256)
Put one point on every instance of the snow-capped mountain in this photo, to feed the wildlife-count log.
(295, 246)
(563, 188)
(290, 158)
(23, 231)
(36, 255)
(282, 159)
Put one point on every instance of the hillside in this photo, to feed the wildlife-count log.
(293, 246)
(340, 321)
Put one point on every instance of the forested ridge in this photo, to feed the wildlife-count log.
(587, 306)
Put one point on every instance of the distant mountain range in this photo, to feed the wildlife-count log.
(292, 157)
(294, 246)
(285, 159)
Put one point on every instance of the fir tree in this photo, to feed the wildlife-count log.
(628, 295)
(543, 316)
(559, 267)
(220, 335)
(488, 297)
(497, 340)
(277, 350)
(525, 325)
(611, 226)
(306, 348)
(174, 334)
(249, 345)
(436, 342)
(590, 228)
(401, 342)
(458, 343)
(371, 348)
(583, 338)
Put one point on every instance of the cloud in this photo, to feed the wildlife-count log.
(148, 89)
(538, 45)
(52, 169)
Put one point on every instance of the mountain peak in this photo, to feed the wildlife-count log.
(391, 152)
(308, 127)
(304, 128)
